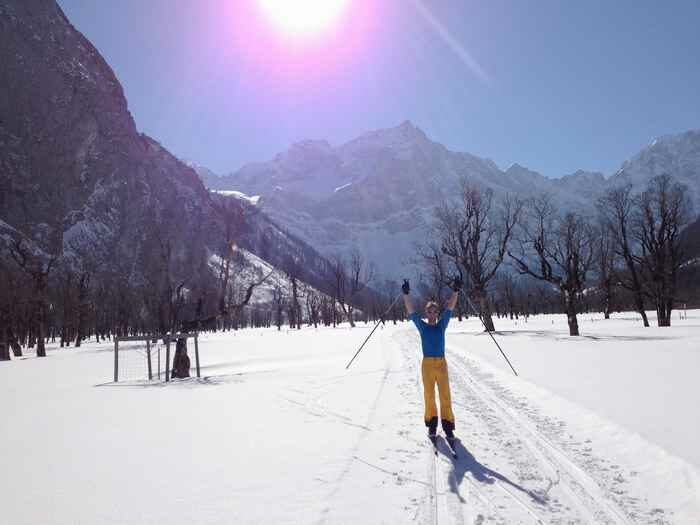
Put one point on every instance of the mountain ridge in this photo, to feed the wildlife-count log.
(388, 179)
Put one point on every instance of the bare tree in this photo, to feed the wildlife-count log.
(278, 300)
(558, 250)
(475, 235)
(349, 278)
(616, 209)
(339, 282)
(605, 252)
(508, 289)
(293, 270)
(313, 306)
(360, 274)
(37, 264)
(437, 267)
(663, 208)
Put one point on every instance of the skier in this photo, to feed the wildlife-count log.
(434, 366)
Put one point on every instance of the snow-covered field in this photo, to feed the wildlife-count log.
(602, 428)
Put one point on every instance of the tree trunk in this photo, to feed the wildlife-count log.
(486, 312)
(79, 322)
(4, 347)
(350, 312)
(607, 297)
(181, 361)
(570, 301)
(639, 303)
(296, 307)
(607, 306)
(40, 346)
(663, 315)
(16, 348)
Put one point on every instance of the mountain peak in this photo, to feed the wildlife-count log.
(401, 140)
(518, 170)
(409, 129)
(309, 144)
(684, 145)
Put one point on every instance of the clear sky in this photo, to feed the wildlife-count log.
(554, 85)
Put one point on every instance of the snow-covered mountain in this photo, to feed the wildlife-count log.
(677, 155)
(379, 190)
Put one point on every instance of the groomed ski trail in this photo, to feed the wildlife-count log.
(509, 470)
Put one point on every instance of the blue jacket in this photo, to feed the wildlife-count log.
(432, 336)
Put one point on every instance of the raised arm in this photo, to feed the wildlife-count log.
(408, 303)
(456, 286)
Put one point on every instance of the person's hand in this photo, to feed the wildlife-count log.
(456, 283)
(405, 287)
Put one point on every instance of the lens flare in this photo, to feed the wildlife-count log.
(303, 17)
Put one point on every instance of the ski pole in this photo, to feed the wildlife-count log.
(487, 330)
(373, 329)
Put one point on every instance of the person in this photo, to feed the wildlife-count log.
(434, 365)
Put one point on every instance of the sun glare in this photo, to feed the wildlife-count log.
(303, 17)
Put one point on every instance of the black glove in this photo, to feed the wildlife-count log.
(405, 287)
(456, 283)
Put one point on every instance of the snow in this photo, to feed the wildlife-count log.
(239, 195)
(252, 270)
(596, 429)
(691, 262)
(648, 372)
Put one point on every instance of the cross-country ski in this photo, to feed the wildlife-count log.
(451, 444)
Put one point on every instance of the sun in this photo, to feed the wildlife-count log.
(303, 17)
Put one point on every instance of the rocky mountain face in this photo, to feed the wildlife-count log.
(78, 182)
(379, 191)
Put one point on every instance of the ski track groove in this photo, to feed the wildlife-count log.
(584, 491)
(590, 516)
(492, 410)
(444, 508)
(364, 428)
(456, 502)
(580, 486)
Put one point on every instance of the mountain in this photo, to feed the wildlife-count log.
(676, 155)
(379, 190)
(82, 192)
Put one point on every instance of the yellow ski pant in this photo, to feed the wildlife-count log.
(435, 371)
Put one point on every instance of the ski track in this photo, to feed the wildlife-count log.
(313, 407)
(542, 473)
(551, 476)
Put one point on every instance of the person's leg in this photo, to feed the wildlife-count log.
(429, 378)
(446, 414)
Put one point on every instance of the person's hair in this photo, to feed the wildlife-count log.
(430, 304)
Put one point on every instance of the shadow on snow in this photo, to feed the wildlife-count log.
(468, 464)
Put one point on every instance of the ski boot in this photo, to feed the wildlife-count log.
(432, 432)
(448, 427)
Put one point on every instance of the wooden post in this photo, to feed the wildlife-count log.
(116, 359)
(196, 352)
(148, 357)
(167, 359)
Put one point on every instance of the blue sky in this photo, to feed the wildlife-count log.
(561, 86)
